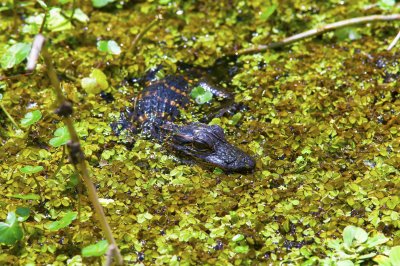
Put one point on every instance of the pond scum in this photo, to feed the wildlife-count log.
(321, 120)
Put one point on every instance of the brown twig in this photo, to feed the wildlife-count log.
(318, 31)
(393, 43)
(143, 32)
(76, 154)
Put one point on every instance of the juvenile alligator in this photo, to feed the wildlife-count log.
(158, 105)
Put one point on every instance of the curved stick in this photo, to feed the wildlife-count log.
(318, 31)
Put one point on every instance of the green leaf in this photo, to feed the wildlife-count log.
(141, 218)
(101, 3)
(110, 47)
(394, 255)
(63, 222)
(345, 263)
(79, 15)
(238, 237)
(29, 169)
(241, 249)
(382, 260)
(113, 47)
(56, 21)
(386, 4)
(376, 240)
(26, 196)
(164, 2)
(351, 233)
(61, 137)
(95, 83)
(200, 95)
(23, 213)
(95, 250)
(31, 118)
(266, 13)
(102, 46)
(347, 33)
(10, 231)
(15, 55)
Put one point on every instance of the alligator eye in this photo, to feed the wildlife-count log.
(201, 146)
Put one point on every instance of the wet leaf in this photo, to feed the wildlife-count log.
(95, 83)
(31, 118)
(267, 12)
(26, 196)
(95, 250)
(15, 55)
(394, 255)
(386, 4)
(101, 3)
(63, 222)
(10, 230)
(29, 169)
(22, 213)
(61, 137)
(200, 95)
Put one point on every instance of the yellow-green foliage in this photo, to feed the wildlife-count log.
(322, 123)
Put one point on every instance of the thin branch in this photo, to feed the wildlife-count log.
(393, 43)
(143, 32)
(319, 31)
(9, 116)
(76, 153)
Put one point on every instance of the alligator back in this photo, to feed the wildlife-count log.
(160, 102)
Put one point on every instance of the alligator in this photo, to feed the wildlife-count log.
(158, 105)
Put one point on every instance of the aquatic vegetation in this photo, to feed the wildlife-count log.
(321, 117)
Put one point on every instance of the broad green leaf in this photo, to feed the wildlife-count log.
(15, 55)
(26, 196)
(394, 255)
(266, 13)
(110, 47)
(347, 33)
(241, 249)
(238, 237)
(113, 47)
(351, 233)
(101, 3)
(10, 230)
(79, 15)
(29, 169)
(200, 95)
(31, 118)
(382, 260)
(95, 83)
(141, 218)
(376, 240)
(386, 4)
(102, 46)
(56, 21)
(95, 250)
(345, 263)
(164, 2)
(23, 213)
(63, 222)
(61, 137)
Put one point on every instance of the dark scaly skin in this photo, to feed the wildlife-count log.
(159, 104)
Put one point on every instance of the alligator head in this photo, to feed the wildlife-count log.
(207, 146)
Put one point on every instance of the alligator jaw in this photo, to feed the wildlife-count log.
(207, 145)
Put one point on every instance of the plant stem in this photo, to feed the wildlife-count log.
(81, 165)
(318, 31)
(142, 33)
(393, 43)
(60, 164)
(9, 116)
